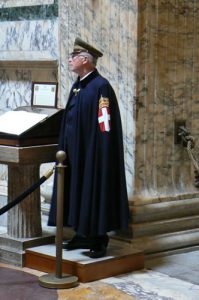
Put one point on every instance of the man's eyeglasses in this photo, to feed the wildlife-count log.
(74, 55)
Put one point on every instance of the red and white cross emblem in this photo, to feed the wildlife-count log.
(104, 119)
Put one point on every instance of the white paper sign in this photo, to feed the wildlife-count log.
(44, 94)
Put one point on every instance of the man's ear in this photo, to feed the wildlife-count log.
(85, 59)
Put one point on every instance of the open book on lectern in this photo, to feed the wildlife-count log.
(17, 122)
(29, 126)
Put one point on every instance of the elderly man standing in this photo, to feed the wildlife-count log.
(95, 193)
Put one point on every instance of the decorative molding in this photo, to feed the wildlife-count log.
(30, 64)
(24, 59)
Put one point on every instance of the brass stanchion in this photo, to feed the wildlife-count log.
(58, 280)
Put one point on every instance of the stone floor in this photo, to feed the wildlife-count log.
(172, 277)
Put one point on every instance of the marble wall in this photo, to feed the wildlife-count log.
(112, 27)
(167, 91)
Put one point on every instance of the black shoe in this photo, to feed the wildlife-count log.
(77, 242)
(99, 247)
(97, 252)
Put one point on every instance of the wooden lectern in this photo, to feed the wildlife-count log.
(24, 154)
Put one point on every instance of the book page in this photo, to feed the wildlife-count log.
(17, 122)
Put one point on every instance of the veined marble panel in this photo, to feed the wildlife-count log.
(16, 3)
(29, 36)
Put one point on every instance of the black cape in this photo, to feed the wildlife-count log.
(95, 196)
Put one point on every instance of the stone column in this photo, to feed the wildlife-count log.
(24, 220)
(167, 92)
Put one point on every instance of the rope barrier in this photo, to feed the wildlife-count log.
(26, 193)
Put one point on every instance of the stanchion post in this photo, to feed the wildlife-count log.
(60, 204)
(58, 280)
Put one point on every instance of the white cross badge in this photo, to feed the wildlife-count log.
(104, 117)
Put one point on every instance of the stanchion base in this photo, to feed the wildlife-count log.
(52, 282)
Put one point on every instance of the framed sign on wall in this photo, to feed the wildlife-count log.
(44, 94)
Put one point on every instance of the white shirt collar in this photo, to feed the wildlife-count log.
(86, 75)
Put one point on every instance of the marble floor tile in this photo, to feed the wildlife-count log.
(168, 268)
(188, 260)
(190, 276)
(183, 266)
(150, 285)
(181, 258)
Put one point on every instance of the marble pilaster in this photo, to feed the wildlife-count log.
(167, 88)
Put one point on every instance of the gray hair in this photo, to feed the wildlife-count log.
(91, 59)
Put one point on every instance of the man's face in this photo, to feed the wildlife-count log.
(75, 62)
